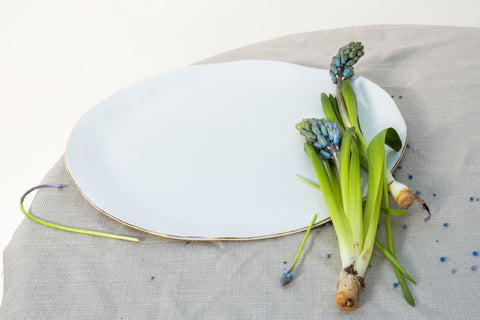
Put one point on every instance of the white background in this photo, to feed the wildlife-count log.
(59, 58)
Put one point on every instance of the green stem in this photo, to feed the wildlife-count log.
(388, 226)
(311, 184)
(342, 107)
(390, 211)
(339, 220)
(56, 226)
(393, 260)
(303, 243)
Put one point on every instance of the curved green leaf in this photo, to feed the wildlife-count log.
(344, 174)
(392, 139)
(334, 103)
(350, 102)
(329, 111)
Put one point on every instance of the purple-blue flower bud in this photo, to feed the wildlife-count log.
(323, 128)
(337, 136)
(331, 133)
(348, 72)
(286, 277)
(336, 61)
(315, 129)
(334, 69)
(309, 136)
(322, 141)
(325, 154)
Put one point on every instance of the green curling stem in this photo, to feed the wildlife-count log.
(64, 228)
(303, 243)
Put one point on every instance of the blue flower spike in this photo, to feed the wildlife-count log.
(341, 67)
(324, 136)
(286, 277)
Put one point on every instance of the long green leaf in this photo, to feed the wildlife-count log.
(403, 284)
(335, 212)
(311, 184)
(334, 103)
(329, 111)
(355, 200)
(394, 261)
(332, 175)
(345, 152)
(388, 225)
(376, 164)
(350, 102)
(376, 158)
(342, 227)
(393, 140)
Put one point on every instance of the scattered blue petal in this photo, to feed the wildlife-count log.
(445, 224)
(474, 268)
(404, 226)
(443, 259)
(475, 253)
(434, 194)
(436, 240)
(427, 218)
(408, 145)
(395, 284)
(454, 270)
(410, 177)
(327, 255)
(471, 198)
(417, 192)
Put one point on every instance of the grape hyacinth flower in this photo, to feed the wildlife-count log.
(323, 135)
(286, 277)
(343, 109)
(342, 64)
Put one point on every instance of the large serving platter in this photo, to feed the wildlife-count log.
(211, 151)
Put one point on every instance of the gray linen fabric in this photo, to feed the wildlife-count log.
(433, 74)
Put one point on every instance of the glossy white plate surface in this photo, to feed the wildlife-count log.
(211, 151)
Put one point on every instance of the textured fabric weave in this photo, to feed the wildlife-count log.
(433, 74)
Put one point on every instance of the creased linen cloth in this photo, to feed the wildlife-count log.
(432, 73)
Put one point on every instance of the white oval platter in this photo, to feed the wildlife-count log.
(210, 151)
